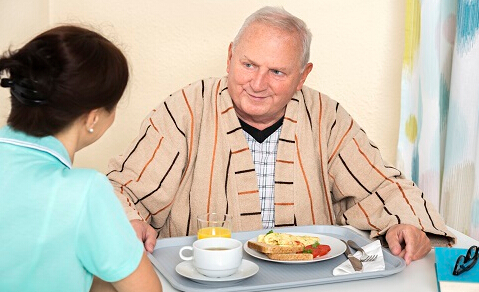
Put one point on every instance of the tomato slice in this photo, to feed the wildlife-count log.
(317, 249)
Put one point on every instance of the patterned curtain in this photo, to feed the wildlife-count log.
(438, 143)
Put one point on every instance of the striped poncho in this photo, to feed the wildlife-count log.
(191, 157)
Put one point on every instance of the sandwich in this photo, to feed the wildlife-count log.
(288, 247)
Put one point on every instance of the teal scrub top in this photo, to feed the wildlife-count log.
(58, 225)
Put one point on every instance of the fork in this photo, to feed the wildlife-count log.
(364, 257)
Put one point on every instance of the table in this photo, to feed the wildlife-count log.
(418, 276)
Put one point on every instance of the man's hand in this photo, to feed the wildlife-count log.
(145, 233)
(408, 242)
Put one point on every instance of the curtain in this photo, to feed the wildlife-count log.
(438, 145)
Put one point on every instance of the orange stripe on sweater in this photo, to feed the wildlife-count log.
(367, 217)
(128, 201)
(336, 184)
(291, 120)
(163, 207)
(341, 142)
(388, 179)
(325, 194)
(124, 185)
(214, 148)
(248, 192)
(153, 124)
(239, 151)
(151, 159)
(192, 130)
(284, 204)
(409, 204)
(305, 179)
(284, 161)
(226, 110)
(369, 161)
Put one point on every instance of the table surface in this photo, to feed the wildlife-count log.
(418, 276)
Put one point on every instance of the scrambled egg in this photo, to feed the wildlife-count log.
(275, 238)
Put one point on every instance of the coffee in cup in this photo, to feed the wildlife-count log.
(215, 257)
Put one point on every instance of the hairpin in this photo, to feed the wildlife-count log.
(23, 91)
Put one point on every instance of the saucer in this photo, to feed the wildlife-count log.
(245, 270)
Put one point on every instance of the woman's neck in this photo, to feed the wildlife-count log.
(70, 139)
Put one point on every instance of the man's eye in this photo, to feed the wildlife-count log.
(277, 72)
(248, 65)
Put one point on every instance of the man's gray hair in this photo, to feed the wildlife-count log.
(280, 18)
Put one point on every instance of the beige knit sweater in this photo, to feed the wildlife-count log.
(191, 157)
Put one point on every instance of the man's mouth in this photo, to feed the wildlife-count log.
(255, 96)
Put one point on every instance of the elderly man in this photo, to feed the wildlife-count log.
(260, 146)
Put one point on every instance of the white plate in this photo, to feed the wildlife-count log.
(245, 270)
(337, 248)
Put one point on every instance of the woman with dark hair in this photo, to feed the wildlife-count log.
(60, 225)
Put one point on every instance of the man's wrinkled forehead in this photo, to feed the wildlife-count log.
(260, 34)
(254, 27)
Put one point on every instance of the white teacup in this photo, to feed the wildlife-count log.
(215, 257)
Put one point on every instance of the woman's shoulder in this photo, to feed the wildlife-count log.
(85, 178)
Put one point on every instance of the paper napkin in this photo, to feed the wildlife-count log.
(377, 265)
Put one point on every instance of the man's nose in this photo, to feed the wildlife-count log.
(259, 81)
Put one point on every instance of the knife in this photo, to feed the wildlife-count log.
(356, 263)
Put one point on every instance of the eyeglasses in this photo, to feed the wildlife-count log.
(465, 263)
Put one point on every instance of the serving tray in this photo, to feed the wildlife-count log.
(271, 275)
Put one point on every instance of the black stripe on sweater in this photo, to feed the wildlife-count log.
(355, 178)
(283, 182)
(171, 116)
(391, 167)
(163, 179)
(386, 209)
(345, 218)
(429, 215)
(234, 130)
(332, 127)
(189, 215)
(284, 225)
(250, 214)
(307, 110)
(132, 151)
(223, 90)
(244, 171)
(226, 180)
(285, 140)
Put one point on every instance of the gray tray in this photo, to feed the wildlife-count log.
(271, 275)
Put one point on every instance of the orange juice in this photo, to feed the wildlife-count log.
(213, 232)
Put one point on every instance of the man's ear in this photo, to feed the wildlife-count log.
(230, 54)
(304, 75)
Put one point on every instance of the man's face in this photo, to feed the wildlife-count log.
(264, 72)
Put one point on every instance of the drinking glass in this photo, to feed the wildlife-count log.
(214, 225)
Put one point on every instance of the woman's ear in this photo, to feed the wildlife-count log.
(91, 119)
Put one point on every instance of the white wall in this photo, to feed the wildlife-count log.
(356, 51)
(20, 20)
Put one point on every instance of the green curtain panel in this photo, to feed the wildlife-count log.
(438, 145)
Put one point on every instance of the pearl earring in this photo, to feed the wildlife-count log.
(90, 130)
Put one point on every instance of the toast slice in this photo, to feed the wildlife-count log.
(275, 249)
(290, 256)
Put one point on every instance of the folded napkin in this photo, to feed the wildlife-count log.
(376, 265)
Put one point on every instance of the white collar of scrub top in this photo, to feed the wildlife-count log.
(48, 144)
